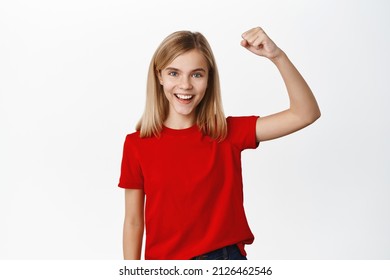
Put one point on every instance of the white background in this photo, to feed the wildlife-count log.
(72, 85)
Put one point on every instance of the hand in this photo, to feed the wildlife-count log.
(258, 42)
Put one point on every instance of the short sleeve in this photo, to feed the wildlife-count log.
(131, 173)
(242, 132)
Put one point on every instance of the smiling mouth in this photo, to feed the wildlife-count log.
(185, 97)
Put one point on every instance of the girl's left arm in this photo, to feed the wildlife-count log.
(303, 109)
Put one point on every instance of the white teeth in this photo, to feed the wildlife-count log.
(184, 96)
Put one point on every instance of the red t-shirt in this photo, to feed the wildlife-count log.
(193, 188)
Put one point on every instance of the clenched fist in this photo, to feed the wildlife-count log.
(258, 42)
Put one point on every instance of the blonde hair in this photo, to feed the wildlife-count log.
(209, 113)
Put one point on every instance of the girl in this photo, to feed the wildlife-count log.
(181, 169)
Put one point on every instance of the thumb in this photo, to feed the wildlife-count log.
(244, 43)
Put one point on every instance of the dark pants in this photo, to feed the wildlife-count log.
(226, 253)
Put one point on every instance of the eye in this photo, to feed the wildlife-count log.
(197, 75)
(173, 73)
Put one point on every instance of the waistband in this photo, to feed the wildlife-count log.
(222, 253)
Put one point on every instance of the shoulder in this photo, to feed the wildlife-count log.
(132, 141)
(135, 141)
(135, 145)
(132, 137)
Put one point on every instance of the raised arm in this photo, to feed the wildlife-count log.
(303, 109)
(133, 228)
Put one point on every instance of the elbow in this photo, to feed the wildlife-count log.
(134, 221)
(310, 118)
(316, 115)
(312, 113)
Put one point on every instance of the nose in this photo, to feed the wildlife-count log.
(185, 83)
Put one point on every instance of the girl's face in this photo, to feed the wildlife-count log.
(184, 82)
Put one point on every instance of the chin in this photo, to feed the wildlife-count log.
(184, 112)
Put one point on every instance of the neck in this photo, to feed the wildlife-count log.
(181, 122)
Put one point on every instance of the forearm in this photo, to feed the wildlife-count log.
(302, 101)
(132, 240)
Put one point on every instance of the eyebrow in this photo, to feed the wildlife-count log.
(178, 70)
